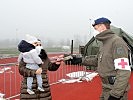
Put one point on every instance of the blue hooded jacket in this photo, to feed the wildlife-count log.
(24, 46)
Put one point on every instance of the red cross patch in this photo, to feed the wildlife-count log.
(122, 63)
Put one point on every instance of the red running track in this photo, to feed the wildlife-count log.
(82, 91)
(74, 91)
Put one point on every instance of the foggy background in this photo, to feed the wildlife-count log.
(57, 22)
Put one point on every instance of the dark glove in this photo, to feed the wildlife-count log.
(113, 98)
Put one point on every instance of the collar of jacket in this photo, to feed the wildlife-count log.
(103, 36)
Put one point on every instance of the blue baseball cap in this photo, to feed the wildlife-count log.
(101, 21)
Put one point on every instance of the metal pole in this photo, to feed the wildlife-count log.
(72, 47)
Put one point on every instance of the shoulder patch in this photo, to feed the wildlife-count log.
(120, 50)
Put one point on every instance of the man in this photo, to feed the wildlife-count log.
(111, 61)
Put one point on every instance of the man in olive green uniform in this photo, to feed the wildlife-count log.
(111, 61)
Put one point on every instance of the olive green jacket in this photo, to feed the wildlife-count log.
(113, 47)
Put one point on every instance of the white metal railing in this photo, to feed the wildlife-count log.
(10, 79)
(63, 71)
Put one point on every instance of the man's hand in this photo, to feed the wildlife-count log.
(39, 71)
(57, 59)
(61, 56)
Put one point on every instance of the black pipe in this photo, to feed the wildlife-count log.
(72, 47)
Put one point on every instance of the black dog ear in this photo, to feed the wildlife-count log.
(43, 55)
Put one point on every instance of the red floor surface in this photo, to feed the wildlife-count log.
(74, 91)
(82, 91)
(77, 91)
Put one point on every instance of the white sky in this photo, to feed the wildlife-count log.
(59, 19)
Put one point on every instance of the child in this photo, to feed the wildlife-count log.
(29, 54)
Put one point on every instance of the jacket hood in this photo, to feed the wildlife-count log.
(104, 35)
(24, 46)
